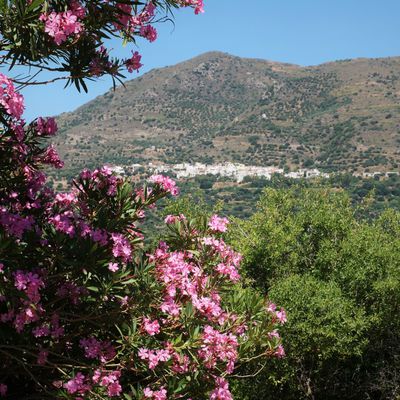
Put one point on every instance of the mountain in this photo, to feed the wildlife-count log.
(338, 116)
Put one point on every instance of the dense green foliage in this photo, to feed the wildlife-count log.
(375, 194)
(338, 277)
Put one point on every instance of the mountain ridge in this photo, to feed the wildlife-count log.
(341, 115)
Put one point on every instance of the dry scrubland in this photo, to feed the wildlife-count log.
(339, 116)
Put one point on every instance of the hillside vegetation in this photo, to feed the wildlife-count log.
(339, 116)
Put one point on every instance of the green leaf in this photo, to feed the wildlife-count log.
(34, 4)
(93, 289)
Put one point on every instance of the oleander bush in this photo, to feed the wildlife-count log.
(87, 309)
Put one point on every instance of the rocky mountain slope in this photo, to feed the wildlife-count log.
(339, 116)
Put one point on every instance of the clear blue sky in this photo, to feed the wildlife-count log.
(305, 32)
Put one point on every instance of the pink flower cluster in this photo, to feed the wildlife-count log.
(101, 179)
(121, 247)
(167, 184)
(154, 357)
(151, 327)
(64, 223)
(179, 276)
(12, 101)
(133, 63)
(46, 127)
(148, 32)
(218, 346)
(77, 385)
(160, 394)
(171, 219)
(108, 380)
(15, 224)
(60, 26)
(229, 259)
(279, 315)
(50, 328)
(133, 22)
(51, 157)
(127, 21)
(218, 224)
(196, 4)
(210, 307)
(181, 364)
(221, 392)
(30, 283)
(81, 384)
(101, 350)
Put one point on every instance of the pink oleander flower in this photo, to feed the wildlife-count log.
(46, 127)
(121, 247)
(99, 235)
(218, 346)
(65, 199)
(196, 4)
(218, 224)
(199, 7)
(77, 8)
(167, 184)
(109, 380)
(228, 270)
(221, 392)
(77, 384)
(12, 101)
(41, 331)
(147, 13)
(30, 283)
(113, 267)
(271, 307)
(181, 363)
(14, 224)
(170, 307)
(102, 350)
(241, 329)
(171, 219)
(154, 357)
(61, 25)
(124, 16)
(274, 334)
(208, 307)
(151, 327)
(148, 32)
(160, 394)
(57, 330)
(64, 223)
(3, 389)
(281, 316)
(133, 63)
(280, 352)
(51, 157)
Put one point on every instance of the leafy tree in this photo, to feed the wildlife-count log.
(338, 277)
